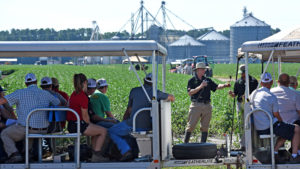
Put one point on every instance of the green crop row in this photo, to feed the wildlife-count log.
(121, 80)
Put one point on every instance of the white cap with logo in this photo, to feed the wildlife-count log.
(30, 77)
(46, 81)
(266, 77)
(101, 83)
(91, 83)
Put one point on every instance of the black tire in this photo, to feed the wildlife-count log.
(195, 151)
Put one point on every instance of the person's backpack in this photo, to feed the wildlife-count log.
(114, 153)
(85, 152)
(57, 120)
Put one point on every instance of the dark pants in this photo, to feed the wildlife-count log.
(3, 154)
(280, 129)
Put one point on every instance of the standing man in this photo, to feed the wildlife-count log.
(239, 91)
(199, 88)
(26, 100)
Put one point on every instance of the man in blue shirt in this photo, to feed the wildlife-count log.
(26, 100)
(137, 100)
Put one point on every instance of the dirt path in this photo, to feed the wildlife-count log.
(223, 79)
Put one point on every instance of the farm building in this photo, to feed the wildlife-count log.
(217, 45)
(247, 29)
(185, 47)
(154, 32)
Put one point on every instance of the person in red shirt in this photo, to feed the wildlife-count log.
(55, 87)
(79, 102)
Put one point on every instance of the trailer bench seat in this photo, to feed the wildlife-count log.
(265, 136)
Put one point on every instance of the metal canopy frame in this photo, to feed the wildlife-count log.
(80, 48)
(280, 50)
(100, 48)
(288, 50)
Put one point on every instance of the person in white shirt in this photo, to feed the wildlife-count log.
(262, 98)
(288, 100)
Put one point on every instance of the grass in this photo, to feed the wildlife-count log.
(121, 81)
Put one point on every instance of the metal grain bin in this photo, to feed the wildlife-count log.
(247, 29)
(185, 47)
(217, 45)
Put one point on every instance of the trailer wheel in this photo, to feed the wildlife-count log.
(195, 151)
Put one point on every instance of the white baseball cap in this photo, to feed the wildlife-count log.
(101, 83)
(46, 81)
(30, 77)
(266, 77)
(91, 83)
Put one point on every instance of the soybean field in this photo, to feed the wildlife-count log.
(121, 80)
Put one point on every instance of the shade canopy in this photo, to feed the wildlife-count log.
(80, 48)
(134, 59)
(285, 44)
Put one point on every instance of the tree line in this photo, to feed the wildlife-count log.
(50, 34)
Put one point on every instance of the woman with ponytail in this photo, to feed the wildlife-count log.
(79, 102)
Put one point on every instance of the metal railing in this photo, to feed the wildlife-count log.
(135, 115)
(40, 136)
(248, 126)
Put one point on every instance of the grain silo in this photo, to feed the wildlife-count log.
(247, 29)
(217, 45)
(154, 32)
(185, 47)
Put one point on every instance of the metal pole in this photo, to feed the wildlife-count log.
(142, 17)
(234, 102)
(271, 56)
(138, 58)
(164, 73)
(247, 133)
(273, 66)
(155, 114)
(154, 79)
(124, 51)
(164, 21)
(248, 126)
(279, 65)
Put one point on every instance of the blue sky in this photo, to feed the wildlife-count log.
(111, 15)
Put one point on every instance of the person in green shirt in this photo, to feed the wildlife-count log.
(101, 105)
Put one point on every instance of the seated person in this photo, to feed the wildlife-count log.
(6, 112)
(101, 105)
(26, 100)
(137, 100)
(55, 87)
(294, 84)
(288, 100)
(262, 98)
(79, 102)
(46, 84)
(55, 126)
